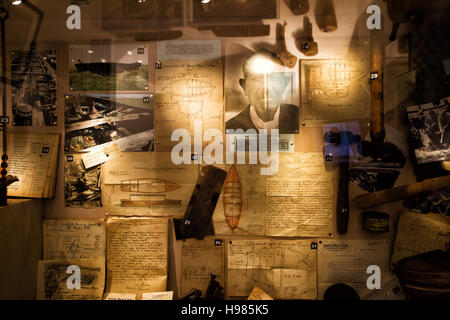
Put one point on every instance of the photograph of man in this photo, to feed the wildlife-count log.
(266, 85)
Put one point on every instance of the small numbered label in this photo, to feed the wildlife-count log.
(4, 120)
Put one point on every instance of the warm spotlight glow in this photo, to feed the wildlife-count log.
(16, 2)
(261, 65)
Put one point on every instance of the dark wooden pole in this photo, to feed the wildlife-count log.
(4, 165)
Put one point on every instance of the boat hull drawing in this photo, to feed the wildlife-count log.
(148, 186)
(232, 198)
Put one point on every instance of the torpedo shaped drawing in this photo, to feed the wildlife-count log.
(149, 186)
(232, 198)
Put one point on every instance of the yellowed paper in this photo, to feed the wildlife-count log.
(74, 239)
(258, 294)
(418, 233)
(334, 90)
(53, 278)
(119, 296)
(346, 261)
(186, 92)
(100, 154)
(33, 159)
(108, 151)
(285, 269)
(391, 289)
(136, 255)
(200, 259)
(167, 295)
(147, 183)
(189, 50)
(295, 202)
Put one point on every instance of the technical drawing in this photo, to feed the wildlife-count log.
(185, 93)
(148, 192)
(285, 268)
(232, 198)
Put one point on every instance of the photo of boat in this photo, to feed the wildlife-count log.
(33, 80)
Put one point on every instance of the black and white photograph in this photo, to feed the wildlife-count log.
(438, 202)
(82, 187)
(95, 120)
(430, 131)
(33, 85)
(259, 93)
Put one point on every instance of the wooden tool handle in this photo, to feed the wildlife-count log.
(400, 193)
(328, 16)
(377, 130)
(307, 46)
(286, 58)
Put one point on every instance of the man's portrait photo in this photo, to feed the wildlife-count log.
(263, 95)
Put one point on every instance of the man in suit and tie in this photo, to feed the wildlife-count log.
(265, 83)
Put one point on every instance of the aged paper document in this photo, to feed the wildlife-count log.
(346, 261)
(32, 158)
(53, 278)
(199, 260)
(391, 289)
(189, 50)
(100, 154)
(418, 233)
(167, 295)
(107, 151)
(136, 255)
(187, 92)
(258, 294)
(334, 90)
(147, 183)
(295, 202)
(74, 239)
(119, 296)
(285, 269)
